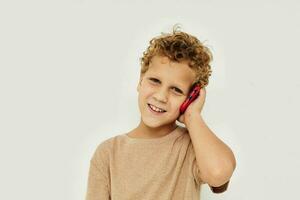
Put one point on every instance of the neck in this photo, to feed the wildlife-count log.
(144, 131)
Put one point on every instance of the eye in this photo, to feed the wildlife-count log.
(154, 79)
(178, 90)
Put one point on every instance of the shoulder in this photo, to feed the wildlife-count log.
(106, 144)
(104, 148)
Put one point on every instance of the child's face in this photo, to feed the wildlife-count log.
(165, 85)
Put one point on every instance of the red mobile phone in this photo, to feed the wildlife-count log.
(192, 96)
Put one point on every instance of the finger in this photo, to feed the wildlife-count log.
(180, 118)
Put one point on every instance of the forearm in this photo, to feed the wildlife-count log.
(215, 159)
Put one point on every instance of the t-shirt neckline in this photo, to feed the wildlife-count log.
(173, 134)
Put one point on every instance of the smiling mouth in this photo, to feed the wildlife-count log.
(149, 105)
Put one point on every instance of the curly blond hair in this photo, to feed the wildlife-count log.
(180, 46)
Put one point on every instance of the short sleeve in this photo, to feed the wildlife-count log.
(196, 173)
(220, 189)
(98, 185)
(195, 168)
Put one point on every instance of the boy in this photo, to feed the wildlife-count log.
(160, 160)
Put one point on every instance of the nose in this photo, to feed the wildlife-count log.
(161, 95)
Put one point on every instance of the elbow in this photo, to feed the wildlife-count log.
(222, 176)
(219, 182)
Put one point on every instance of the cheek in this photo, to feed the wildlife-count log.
(145, 94)
(179, 103)
(175, 104)
(146, 91)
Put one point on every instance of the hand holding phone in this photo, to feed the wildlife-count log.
(192, 96)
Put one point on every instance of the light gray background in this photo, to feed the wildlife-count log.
(68, 79)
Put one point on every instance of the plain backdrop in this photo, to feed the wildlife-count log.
(68, 76)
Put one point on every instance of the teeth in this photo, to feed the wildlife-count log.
(156, 109)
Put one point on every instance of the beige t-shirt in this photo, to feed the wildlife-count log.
(125, 168)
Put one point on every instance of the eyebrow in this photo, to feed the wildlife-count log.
(178, 87)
